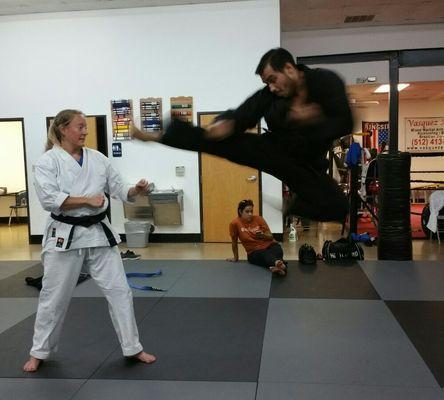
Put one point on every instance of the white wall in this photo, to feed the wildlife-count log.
(357, 40)
(85, 59)
(12, 165)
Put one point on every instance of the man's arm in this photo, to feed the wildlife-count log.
(337, 116)
(328, 115)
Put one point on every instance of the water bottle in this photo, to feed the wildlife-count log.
(293, 235)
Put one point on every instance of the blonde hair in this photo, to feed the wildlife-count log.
(63, 118)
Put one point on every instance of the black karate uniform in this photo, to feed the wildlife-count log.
(292, 152)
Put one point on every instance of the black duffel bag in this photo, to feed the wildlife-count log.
(307, 254)
(343, 250)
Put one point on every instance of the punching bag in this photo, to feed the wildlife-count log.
(394, 227)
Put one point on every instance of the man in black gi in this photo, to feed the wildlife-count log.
(305, 110)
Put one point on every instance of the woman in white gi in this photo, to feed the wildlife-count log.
(71, 181)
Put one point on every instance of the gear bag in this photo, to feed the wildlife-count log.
(343, 250)
(307, 254)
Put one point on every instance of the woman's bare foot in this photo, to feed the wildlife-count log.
(279, 268)
(136, 133)
(32, 364)
(144, 357)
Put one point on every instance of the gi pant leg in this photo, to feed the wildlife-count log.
(61, 272)
(318, 196)
(106, 268)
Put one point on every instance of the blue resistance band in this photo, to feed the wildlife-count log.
(144, 275)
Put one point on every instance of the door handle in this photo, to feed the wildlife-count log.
(252, 178)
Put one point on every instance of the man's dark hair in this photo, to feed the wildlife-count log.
(276, 58)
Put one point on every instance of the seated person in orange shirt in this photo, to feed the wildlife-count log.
(254, 234)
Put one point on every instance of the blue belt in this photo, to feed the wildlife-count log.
(144, 275)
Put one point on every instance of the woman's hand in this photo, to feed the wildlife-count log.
(96, 201)
(140, 188)
(263, 235)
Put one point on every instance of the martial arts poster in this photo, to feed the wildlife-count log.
(379, 134)
(424, 135)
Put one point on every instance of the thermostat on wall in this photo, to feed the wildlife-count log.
(180, 171)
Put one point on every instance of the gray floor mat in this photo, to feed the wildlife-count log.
(88, 338)
(323, 281)
(406, 280)
(198, 339)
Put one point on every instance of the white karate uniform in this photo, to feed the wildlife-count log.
(58, 175)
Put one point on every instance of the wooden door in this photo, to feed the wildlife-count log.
(223, 185)
(91, 138)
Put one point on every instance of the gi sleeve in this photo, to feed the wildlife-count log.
(117, 188)
(45, 182)
(250, 112)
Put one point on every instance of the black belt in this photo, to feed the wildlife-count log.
(85, 221)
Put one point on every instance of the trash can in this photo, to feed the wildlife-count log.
(137, 233)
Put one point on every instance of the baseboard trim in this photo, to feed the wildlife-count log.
(35, 239)
(161, 238)
(21, 220)
(171, 238)
(154, 238)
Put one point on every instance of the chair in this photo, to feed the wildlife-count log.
(436, 207)
(21, 201)
(440, 227)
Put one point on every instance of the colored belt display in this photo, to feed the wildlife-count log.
(144, 275)
(85, 221)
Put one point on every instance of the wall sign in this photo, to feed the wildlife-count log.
(117, 149)
(379, 134)
(424, 135)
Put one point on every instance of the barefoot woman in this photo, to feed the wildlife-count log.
(254, 234)
(71, 181)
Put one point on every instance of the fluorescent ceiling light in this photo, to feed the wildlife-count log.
(386, 88)
(354, 101)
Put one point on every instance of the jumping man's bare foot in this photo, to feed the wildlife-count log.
(144, 357)
(32, 364)
(136, 133)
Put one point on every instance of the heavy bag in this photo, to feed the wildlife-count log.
(342, 250)
(307, 254)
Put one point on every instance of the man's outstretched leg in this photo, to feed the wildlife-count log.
(319, 197)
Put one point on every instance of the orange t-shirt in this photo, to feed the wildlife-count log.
(245, 232)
